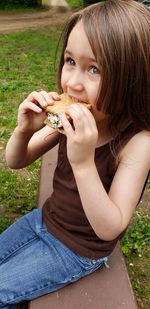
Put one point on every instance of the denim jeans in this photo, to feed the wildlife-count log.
(33, 262)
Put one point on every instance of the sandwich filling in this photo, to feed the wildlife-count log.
(54, 120)
(52, 112)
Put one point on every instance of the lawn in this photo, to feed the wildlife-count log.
(27, 64)
(75, 3)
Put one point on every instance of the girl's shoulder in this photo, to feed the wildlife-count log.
(137, 148)
(139, 140)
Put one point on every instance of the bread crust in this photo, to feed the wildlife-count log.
(52, 111)
(64, 103)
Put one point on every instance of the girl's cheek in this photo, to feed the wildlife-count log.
(62, 82)
(63, 78)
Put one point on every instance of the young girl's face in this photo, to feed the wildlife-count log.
(81, 76)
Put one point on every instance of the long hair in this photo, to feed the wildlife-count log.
(119, 35)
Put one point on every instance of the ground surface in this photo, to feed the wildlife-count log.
(10, 22)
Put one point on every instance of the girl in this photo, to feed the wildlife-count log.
(103, 160)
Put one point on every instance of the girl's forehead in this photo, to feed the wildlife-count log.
(78, 42)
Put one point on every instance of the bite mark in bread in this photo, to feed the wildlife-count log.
(52, 111)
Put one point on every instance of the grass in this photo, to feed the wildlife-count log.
(26, 64)
(136, 249)
(24, 57)
(75, 3)
(18, 194)
(19, 8)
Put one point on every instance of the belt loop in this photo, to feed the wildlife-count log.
(105, 262)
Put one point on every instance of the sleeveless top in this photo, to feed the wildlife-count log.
(63, 212)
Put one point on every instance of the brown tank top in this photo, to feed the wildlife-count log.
(63, 212)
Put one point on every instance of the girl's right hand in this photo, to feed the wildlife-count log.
(31, 113)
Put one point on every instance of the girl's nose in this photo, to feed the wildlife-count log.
(75, 82)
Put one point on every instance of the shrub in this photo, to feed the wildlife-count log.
(20, 3)
(88, 2)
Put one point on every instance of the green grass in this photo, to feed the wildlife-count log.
(139, 273)
(136, 248)
(137, 237)
(18, 193)
(27, 64)
(75, 3)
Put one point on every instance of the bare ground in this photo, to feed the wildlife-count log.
(10, 22)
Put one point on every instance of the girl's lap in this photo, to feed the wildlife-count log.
(33, 262)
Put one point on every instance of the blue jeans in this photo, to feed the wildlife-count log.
(33, 262)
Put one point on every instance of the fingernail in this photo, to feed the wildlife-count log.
(39, 109)
(56, 96)
(50, 101)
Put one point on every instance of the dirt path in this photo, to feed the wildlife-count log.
(10, 22)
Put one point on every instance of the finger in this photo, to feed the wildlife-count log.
(90, 116)
(66, 124)
(37, 98)
(80, 119)
(28, 105)
(50, 97)
(53, 96)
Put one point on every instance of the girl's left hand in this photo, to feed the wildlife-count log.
(82, 139)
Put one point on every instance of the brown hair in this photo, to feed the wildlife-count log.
(119, 34)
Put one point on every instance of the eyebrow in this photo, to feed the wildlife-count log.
(89, 58)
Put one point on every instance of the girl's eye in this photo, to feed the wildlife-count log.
(70, 61)
(94, 70)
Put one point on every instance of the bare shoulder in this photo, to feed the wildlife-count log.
(137, 149)
(131, 175)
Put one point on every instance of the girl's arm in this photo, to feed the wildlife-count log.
(108, 214)
(22, 149)
(30, 139)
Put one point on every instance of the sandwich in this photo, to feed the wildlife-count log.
(52, 111)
